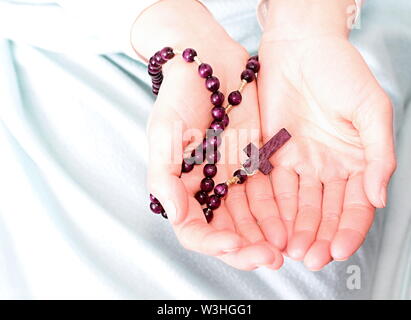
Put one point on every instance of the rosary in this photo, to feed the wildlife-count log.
(258, 159)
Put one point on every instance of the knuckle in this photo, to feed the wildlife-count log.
(330, 216)
(235, 194)
(284, 196)
(245, 221)
(269, 220)
(308, 208)
(262, 196)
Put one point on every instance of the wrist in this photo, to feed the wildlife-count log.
(302, 19)
(179, 24)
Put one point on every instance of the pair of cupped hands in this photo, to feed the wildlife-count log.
(318, 203)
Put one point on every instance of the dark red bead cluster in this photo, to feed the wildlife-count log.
(208, 149)
(156, 206)
(155, 67)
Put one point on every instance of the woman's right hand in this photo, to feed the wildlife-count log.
(246, 231)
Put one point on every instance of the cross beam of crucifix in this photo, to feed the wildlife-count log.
(260, 158)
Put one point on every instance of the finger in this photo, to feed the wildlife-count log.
(308, 217)
(164, 169)
(263, 207)
(374, 124)
(254, 256)
(285, 187)
(318, 255)
(195, 234)
(356, 220)
(245, 224)
(333, 198)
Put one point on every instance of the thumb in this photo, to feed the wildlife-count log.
(171, 193)
(164, 169)
(375, 125)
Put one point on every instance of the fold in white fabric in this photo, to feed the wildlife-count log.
(74, 218)
(97, 26)
(72, 25)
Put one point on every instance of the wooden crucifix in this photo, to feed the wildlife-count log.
(260, 158)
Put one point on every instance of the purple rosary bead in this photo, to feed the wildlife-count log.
(213, 142)
(154, 69)
(235, 98)
(187, 165)
(201, 197)
(253, 58)
(198, 155)
(210, 170)
(158, 58)
(189, 54)
(218, 113)
(205, 70)
(241, 175)
(153, 73)
(213, 156)
(217, 98)
(207, 184)
(226, 121)
(221, 190)
(204, 145)
(158, 77)
(212, 84)
(208, 214)
(152, 62)
(153, 199)
(157, 82)
(253, 65)
(167, 53)
(248, 75)
(157, 208)
(217, 126)
(213, 202)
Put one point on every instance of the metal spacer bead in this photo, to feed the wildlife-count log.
(232, 180)
(242, 86)
(197, 60)
(228, 108)
(177, 51)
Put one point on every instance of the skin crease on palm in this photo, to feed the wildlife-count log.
(318, 203)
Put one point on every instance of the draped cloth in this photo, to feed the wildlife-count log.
(74, 217)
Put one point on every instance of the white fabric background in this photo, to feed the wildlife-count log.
(74, 221)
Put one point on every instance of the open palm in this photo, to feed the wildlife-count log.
(334, 171)
(246, 228)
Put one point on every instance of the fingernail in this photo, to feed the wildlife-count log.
(383, 196)
(341, 259)
(171, 210)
